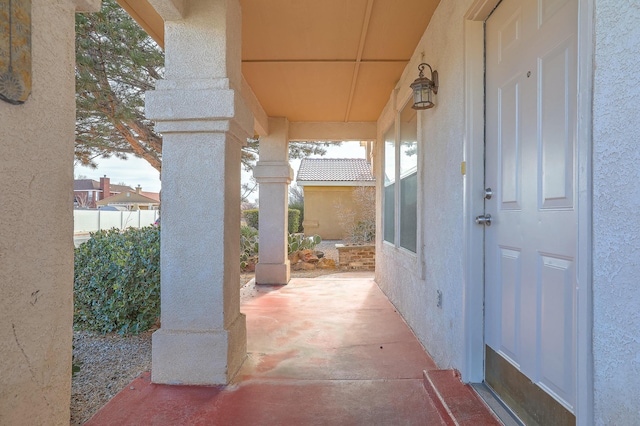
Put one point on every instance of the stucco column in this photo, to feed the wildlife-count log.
(204, 122)
(274, 174)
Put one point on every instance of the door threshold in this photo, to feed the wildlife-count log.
(500, 409)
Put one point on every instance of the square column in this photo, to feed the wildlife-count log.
(274, 174)
(204, 122)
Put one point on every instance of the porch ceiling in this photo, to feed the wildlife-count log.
(323, 61)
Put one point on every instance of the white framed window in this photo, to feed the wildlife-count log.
(408, 178)
(389, 197)
(400, 207)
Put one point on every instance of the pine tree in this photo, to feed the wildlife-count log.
(116, 63)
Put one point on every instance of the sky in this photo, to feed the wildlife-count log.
(132, 172)
(136, 171)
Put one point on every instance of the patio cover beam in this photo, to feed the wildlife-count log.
(332, 131)
(170, 10)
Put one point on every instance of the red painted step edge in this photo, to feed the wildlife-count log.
(458, 404)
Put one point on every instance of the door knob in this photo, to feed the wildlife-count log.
(484, 219)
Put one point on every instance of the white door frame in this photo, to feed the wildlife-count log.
(473, 168)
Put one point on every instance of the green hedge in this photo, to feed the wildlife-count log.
(252, 219)
(248, 231)
(294, 220)
(298, 206)
(117, 281)
(249, 245)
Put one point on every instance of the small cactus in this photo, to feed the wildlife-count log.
(248, 249)
(249, 246)
(300, 242)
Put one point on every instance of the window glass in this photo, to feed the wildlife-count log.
(408, 178)
(388, 224)
(408, 212)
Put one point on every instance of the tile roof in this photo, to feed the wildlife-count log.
(85, 185)
(127, 198)
(335, 170)
(152, 195)
(94, 185)
(120, 188)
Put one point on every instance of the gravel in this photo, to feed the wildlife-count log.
(110, 362)
(329, 249)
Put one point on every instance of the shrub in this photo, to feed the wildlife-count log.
(251, 217)
(294, 220)
(248, 246)
(117, 281)
(248, 231)
(359, 224)
(300, 207)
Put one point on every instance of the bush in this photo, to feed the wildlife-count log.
(359, 224)
(117, 281)
(248, 246)
(300, 207)
(251, 217)
(294, 220)
(248, 231)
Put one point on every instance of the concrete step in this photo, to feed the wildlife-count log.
(457, 403)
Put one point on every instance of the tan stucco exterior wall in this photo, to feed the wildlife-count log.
(321, 216)
(36, 228)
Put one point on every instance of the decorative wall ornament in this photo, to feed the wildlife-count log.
(15, 50)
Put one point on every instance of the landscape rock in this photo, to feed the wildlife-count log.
(308, 256)
(325, 263)
(294, 258)
(303, 266)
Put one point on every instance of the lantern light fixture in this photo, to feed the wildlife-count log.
(423, 88)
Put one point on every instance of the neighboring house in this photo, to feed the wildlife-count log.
(328, 185)
(133, 200)
(87, 192)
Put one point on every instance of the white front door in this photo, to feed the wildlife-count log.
(531, 245)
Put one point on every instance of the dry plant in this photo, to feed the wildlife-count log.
(359, 223)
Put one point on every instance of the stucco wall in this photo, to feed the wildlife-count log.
(36, 228)
(616, 203)
(616, 213)
(412, 281)
(321, 216)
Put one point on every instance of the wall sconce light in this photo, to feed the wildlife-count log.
(422, 88)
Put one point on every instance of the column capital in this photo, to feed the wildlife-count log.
(170, 10)
(84, 6)
(273, 172)
(198, 106)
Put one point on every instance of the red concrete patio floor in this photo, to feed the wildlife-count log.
(325, 351)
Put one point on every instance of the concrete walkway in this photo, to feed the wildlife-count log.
(330, 350)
